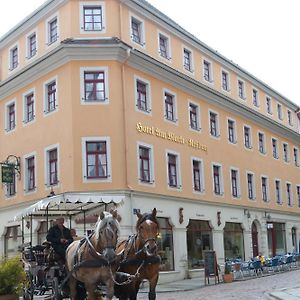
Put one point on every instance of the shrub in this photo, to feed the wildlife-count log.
(12, 276)
(227, 267)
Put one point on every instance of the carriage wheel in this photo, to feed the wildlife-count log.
(28, 289)
(56, 289)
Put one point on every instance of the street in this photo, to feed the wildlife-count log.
(251, 289)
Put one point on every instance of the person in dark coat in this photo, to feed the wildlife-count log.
(60, 237)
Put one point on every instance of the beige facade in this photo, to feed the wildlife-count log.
(219, 143)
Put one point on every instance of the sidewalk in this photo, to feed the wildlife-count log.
(286, 294)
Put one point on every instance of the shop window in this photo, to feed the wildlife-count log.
(199, 239)
(233, 241)
(13, 241)
(165, 245)
(276, 239)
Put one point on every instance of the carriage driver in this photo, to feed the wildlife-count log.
(60, 237)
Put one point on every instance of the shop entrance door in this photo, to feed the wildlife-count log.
(254, 239)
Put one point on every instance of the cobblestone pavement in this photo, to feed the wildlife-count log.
(252, 289)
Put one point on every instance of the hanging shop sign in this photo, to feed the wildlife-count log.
(9, 167)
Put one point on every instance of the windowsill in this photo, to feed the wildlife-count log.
(29, 192)
(50, 112)
(94, 102)
(9, 131)
(107, 179)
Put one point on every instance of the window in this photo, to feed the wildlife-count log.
(235, 188)
(250, 185)
(194, 116)
(285, 152)
(11, 188)
(197, 175)
(264, 188)
(52, 31)
(217, 180)
(261, 143)
(233, 241)
(279, 111)
(213, 122)
(94, 86)
(96, 157)
(269, 105)
(296, 157)
(165, 245)
(11, 116)
(31, 45)
(247, 137)
(173, 170)
(289, 194)
(231, 131)
(29, 107)
(278, 192)
(12, 241)
(255, 97)
(14, 58)
(30, 174)
(137, 31)
(207, 71)
(145, 164)
(241, 89)
(92, 18)
(225, 81)
(52, 166)
(51, 97)
(275, 148)
(290, 118)
(143, 96)
(164, 46)
(187, 60)
(298, 195)
(170, 107)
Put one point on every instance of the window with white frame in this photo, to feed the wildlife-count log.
(52, 166)
(290, 117)
(269, 105)
(96, 159)
(187, 60)
(247, 137)
(164, 46)
(94, 86)
(275, 148)
(194, 116)
(261, 143)
(11, 188)
(278, 192)
(198, 179)
(279, 111)
(142, 91)
(235, 183)
(170, 107)
(285, 152)
(264, 188)
(255, 97)
(217, 179)
(145, 165)
(13, 58)
(173, 170)
(251, 186)
(31, 45)
(51, 100)
(213, 124)
(241, 89)
(28, 107)
(296, 157)
(10, 116)
(52, 30)
(30, 169)
(225, 81)
(231, 125)
(298, 195)
(92, 17)
(137, 31)
(207, 71)
(289, 194)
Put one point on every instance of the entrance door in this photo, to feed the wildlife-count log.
(254, 240)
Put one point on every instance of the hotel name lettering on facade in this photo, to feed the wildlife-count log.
(167, 135)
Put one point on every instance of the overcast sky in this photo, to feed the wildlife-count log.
(261, 36)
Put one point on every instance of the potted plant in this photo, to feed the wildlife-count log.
(228, 276)
(12, 277)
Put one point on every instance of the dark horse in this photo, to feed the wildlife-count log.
(138, 257)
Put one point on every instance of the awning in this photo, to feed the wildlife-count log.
(68, 204)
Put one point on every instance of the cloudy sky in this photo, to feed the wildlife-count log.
(261, 36)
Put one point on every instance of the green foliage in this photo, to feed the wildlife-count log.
(227, 267)
(12, 276)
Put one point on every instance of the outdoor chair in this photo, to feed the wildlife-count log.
(256, 267)
(237, 270)
(273, 264)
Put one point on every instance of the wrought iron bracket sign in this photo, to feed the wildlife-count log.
(9, 167)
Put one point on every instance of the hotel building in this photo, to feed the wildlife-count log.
(113, 98)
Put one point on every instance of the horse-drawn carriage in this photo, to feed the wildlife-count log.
(95, 265)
